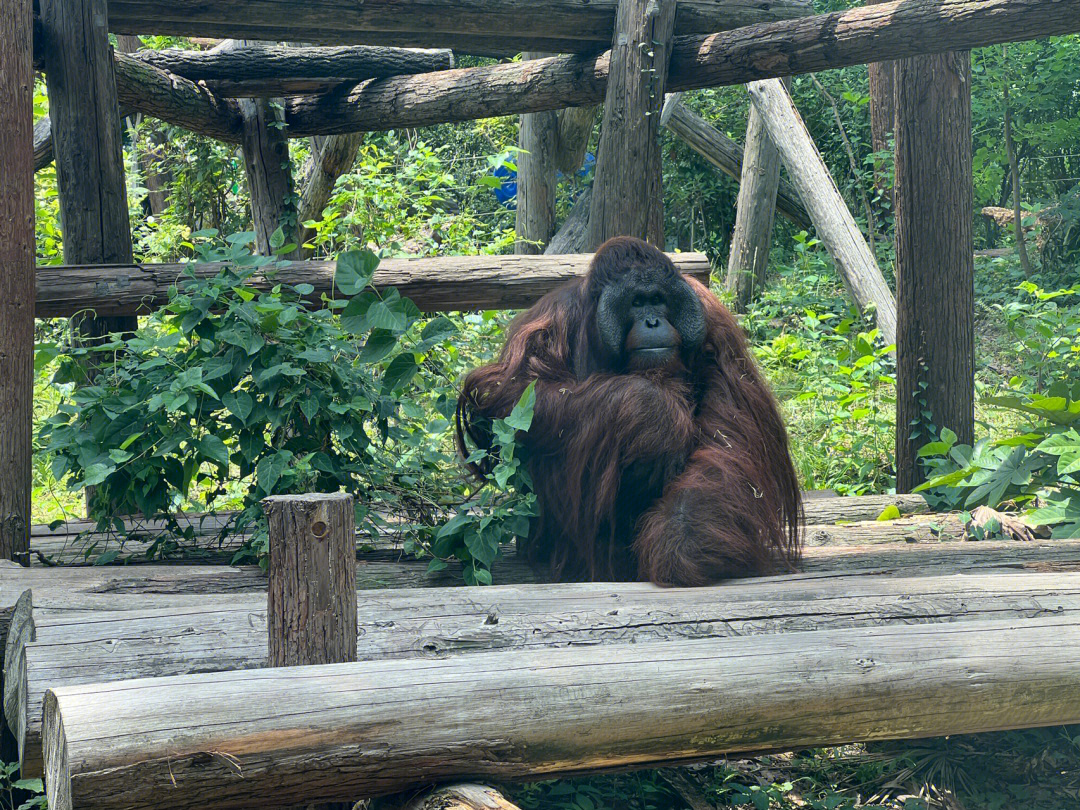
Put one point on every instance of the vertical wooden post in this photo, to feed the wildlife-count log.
(536, 181)
(748, 262)
(628, 197)
(882, 117)
(935, 266)
(87, 141)
(311, 603)
(17, 288)
(831, 217)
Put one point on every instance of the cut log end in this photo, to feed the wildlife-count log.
(57, 772)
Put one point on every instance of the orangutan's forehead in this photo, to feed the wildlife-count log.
(645, 274)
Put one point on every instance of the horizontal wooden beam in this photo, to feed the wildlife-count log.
(279, 736)
(274, 71)
(445, 283)
(872, 33)
(469, 26)
(229, 632)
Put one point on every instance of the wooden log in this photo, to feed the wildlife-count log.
(575, 130)
(935, 262)
(460, 797)
(748, 261)
(476, 26)
(440, 284)
(230, 633)
(311, 605)
(86, 142)
(627, 193)
(331, 157)
(822, 42)
(43, 152)
(279, 735)
(536, 180)
(281, 71)
(833, 221)
(16, 276)
(727, 156)
(571, 236)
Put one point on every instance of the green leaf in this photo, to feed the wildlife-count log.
(97, 473)
(270, 469)
(379, 344)
(124, 445)
(400, 372)
(1066, 446)
(891, 512)
(355, 270)
(381, 316)
(214, 448)
(521, 417)
(277, 238)
(239, 404)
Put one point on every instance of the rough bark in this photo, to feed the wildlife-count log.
(935, 363)
(331, 157)
(460, 797)
(575, 129)
(628, 194)
(439, 284)
(279, 71)
(748, 261)
(86, 142)
(727, 156)
(857, 36)
(571, 236)
(274, 736)
(16, 276)
(311, 601)
(536, 181)
(832, 220)
(472, 26)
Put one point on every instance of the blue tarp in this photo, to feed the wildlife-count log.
(506, 193)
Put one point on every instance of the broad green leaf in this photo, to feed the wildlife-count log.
(521, 416)
(400, 372)
(355, 270)
(891, 512)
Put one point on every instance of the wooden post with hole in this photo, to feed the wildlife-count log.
(311, 604)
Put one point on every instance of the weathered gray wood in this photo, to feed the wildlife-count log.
(331, 157)
(727, 156)
(230, 634)
(269, 71)
(572, 234)
(311, 603)
(575, 129)
(536, 182)
(833, 221)
(748, 261)
(272, 736)
(16, 276)
(472, 26)
(20, 632)
(627, 192)
(438, 284)
(86, 142)
(460, 797)
(935, 257)
(856, 36)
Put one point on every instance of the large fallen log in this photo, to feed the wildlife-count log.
(475, 26)
(231, 634)
(278, 736)
(808, 45)
(273, 71)
(727, 155)
(440, 284)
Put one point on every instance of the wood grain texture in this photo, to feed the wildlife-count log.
(311, 600)
(230, 633)
(16, 276)
(575, 129)
(440, 284)
(832, 220)
(727, 156)
(748, 261)
(572, 234)
(272, 736)
(821, 42)
(627, 191)
(468, 26)
(935, 264)
(460, 797)
(538, 136)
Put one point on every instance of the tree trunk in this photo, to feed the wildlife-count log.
(16, 277)
(477, 26)
(330, 158)
(437, 284)
(536, 181)
(1014, 171)
(575, 129)
(748, 262)
(882, 123)
(628, 194)
(238, 739)
(571, 236)
(935, 364)
(726, 155)
(832, 219)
